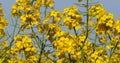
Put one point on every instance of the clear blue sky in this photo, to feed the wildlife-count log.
(110, 5)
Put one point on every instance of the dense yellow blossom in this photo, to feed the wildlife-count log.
(57, 15)
(30, 18)
(105, 23)
(27, 13)
(117, 26)
(97, 11)
(24, 43)
(49, 3)
(42, 34)
(72, 18)
(3, 23)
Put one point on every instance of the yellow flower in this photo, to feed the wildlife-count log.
(49, 3)
(19, 45)
(33, 49)
(14, 11)
(82, 38)
(19, 0)
(66, 10)
(29, 18)
(102, 40)
(25, 39)
(51, 25)
(77, 55)
(24, 43)
(2, 59)
(4, 43)
(109, 46)
(34, 58)
(97, 11)
(117, 26)
(28, 49)
(3, 23)
(100, 60)
(2, 33)
(23, 20)
(60, 60)
(72, 18)
(118, 45)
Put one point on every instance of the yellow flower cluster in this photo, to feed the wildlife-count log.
(97, 11)
(117, 27)
(32, 59)
(46, 3)
(68, 44)
(30, 19)
(57, 15)
(116, 54)
(63, 45)
(23, 50)
(51, 24)
(3, 22)
(53, 40)
(49, 3)
(105, 20)
(105, 23)
(29, 13)
(23, 43)
(72, 18)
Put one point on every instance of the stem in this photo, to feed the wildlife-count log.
(35, 37)
(87, 18)
(114, 49)
(42, 48)
(75, 31)
(13, 40)
(70, 58)
(109, 36)
(45, 12)
(50, 58)
(95, 40)
(13, 31)
(42, 45)
(13, 37)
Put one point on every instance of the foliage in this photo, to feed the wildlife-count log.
(43, 34)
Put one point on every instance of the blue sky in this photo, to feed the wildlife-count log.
(112, 6)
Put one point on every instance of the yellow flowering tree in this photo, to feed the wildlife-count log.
(42, 34)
